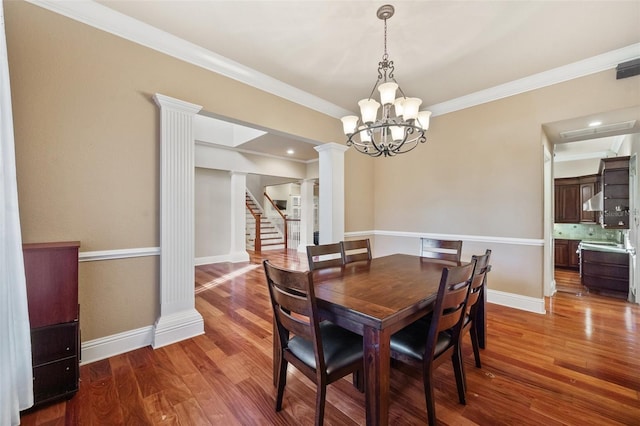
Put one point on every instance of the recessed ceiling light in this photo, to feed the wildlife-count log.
(290, 151)
(595, 123)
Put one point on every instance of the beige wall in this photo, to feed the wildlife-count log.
(87, 159)
(86, 131)
(481, 174)
(212, 198)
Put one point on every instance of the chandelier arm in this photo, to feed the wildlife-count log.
(374, 88)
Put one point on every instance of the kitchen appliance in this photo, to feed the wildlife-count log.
(594, 204)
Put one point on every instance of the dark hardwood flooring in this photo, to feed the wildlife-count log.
(579, 364)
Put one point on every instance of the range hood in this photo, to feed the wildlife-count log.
(594, 204)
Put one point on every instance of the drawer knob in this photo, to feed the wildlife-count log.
(68, 348)
(67, 368)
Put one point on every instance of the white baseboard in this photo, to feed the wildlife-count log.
(176, 327)
(212, 259)
(116, 344)
(231, 257)
(516, 301)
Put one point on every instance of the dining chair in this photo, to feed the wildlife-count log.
(321, 350)
(325, 256)
(449, 250)
(356, 250)
(478, 283)
(430, 341)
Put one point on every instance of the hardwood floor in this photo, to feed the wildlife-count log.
(579, 364)
(568, 281)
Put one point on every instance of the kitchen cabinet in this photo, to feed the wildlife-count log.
(603, 270)
(567, 200)
(566, 253)
(51, 271)
(571, 194)
(615, 191)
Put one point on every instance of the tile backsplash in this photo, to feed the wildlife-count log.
(589, 232)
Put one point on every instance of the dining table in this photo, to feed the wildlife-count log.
(376, 298)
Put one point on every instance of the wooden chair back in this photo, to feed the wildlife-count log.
(294, 308)
(325, 256)
(356, 250)
(450, 305)
(449, 250)
(471, 322)
(479, 279)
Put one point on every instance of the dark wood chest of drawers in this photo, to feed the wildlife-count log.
(51, 271)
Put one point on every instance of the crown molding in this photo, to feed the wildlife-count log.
(568, 72)
(105, 19)
(116, 23)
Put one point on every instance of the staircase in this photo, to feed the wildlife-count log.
(270, 237)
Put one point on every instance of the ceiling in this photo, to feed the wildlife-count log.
(442, 50)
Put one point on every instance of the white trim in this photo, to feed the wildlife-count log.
(212, 259)
(578, 69)
(475, 238)
(105, 19)
(91, 256)
(517, 301)
(116, 344)
(176, 327)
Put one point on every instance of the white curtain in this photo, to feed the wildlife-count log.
(16, 385)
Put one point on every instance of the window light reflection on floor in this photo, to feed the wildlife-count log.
(226, 277)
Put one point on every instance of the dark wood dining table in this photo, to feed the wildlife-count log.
(375, 299)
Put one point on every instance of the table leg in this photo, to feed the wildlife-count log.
(377, 370)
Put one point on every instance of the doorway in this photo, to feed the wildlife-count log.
(576, 150)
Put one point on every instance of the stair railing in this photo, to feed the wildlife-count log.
(287, 223)
(257, 240)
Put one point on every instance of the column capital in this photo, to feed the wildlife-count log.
(164, 101)
(331, 146)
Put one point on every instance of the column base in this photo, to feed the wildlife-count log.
(173, 328)
(239, 256)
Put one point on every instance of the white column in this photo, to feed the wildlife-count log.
(178, 318)
(331, 202)
(306, 216)
(238, 247)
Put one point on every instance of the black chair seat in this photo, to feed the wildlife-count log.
(412, 340)
(341, 347)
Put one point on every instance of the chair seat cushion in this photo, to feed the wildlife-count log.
(412, 340)
(341, 347)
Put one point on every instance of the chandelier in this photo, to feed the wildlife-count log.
(389, 134)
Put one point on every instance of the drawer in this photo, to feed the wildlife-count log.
(55, 379)
(54, 342)
(605, 257)
(600, 283)
(606, 271)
